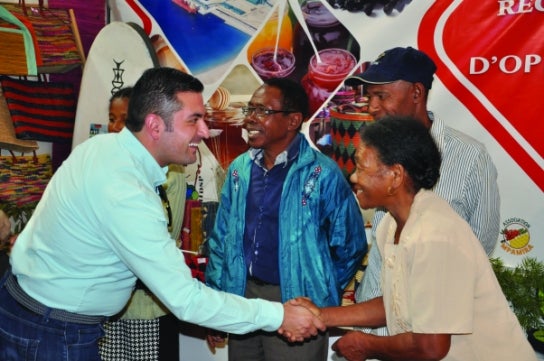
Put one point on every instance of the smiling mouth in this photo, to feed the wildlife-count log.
(253, 133)
(193, 145)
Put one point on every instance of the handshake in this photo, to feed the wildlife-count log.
(301, 320)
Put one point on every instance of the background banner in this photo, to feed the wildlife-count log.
(488, 83)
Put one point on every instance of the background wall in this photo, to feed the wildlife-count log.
(490, 63)
(488, 84)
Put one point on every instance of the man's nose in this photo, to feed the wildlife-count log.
(373, 107)
(203, 130)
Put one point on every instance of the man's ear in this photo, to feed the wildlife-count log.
(295, 121)
(419, 92)
(153, 125)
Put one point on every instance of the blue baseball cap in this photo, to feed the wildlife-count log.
(395, 64)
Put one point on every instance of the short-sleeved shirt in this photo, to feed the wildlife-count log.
(438, 280)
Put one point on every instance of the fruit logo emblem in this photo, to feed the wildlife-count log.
(516, 236)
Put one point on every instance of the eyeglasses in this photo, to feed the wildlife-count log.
(261, 112)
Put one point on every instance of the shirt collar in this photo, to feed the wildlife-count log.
(289, 154)
(155, 173)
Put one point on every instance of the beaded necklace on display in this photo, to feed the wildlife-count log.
(192, 192)
(166, 205)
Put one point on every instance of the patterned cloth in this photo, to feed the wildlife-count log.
(128, 340)
(24, 178)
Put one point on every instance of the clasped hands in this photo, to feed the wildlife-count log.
(351, 346)
(300, 321)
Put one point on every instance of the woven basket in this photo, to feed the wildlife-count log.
(24, 178)
(345, 129)
(55, 40)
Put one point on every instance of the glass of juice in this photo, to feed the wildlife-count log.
(267, 67)
(334, 67)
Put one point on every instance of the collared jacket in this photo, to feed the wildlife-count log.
(321, 238)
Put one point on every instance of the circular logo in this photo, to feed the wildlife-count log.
(516, 235)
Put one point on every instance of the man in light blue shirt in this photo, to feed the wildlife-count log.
(101, 224)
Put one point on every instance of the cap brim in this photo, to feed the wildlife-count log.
(355, 80)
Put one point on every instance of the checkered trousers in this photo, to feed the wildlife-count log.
(130, 340)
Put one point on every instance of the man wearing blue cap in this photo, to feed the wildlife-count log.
(398, 83)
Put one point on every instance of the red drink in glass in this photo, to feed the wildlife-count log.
(264, 64)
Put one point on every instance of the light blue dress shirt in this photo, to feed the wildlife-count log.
(101, 224)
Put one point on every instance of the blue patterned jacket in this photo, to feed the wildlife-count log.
(322, 236)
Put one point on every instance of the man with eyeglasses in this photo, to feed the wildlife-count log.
(288, 224)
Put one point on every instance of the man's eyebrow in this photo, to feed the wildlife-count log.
(255, 104)
(198, 115)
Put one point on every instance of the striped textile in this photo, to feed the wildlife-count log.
(39, 110)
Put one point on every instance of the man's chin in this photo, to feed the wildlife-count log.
(255, 142)
(187, 160)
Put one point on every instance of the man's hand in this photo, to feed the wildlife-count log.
(307, 303)
(299, 322)
(351, 346)
(215, 339)
(359, 346)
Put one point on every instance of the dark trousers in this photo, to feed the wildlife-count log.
(269, 346)
(25, 335)
(168, 338)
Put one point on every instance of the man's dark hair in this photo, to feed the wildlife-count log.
(405, 141)
(156, 93)
(294, 96)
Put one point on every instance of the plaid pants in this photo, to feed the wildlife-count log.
(130, 340)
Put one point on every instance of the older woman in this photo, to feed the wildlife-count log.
(441, 300)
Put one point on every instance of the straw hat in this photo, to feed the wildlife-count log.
(8, 140)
